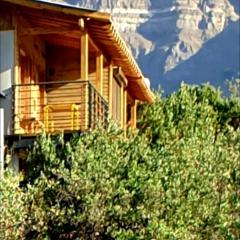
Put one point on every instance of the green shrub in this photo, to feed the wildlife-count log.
(12, 208)
(177, 177)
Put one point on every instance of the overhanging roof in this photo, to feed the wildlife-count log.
(101, 28)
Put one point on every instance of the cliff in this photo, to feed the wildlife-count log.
(178, 40)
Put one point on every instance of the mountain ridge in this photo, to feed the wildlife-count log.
(168, 34)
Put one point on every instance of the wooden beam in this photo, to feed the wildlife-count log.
(118, 73)
(48, 30)
(84, 56)
(81, 23)
(92, 44)
(99, 72)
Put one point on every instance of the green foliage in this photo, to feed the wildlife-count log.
(97, 190)
(177, 177)
(191, 112)
(199, 151)
(12, 208)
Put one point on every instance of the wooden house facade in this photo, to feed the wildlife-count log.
(64, 68)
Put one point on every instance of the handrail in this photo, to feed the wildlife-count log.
(60, 82)
(50, 83)
(102, 98)
(29, 101)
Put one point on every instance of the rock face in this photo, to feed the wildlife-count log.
(178, 40)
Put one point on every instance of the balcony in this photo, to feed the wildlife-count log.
(52, 107)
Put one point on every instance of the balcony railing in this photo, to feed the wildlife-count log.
(57, 106)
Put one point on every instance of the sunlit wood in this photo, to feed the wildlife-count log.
(110, 86)
(84, 56)
(99, 72)
(134, 115)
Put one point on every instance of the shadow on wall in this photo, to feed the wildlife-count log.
(215, 62)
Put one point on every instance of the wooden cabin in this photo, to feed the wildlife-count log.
(64, 68)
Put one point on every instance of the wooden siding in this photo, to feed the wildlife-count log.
(63, 64)
(92, 76)
(30, 69)
(65, 101)
(106, 82)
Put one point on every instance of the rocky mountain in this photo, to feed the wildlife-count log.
(194, 41)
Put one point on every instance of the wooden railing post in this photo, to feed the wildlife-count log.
(87, 107)
(90, 112)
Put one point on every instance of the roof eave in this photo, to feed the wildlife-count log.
(67, 9)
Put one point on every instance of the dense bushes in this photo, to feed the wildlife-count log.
(177, 177)
(12, 208)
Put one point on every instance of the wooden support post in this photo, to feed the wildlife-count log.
(17, 78)
(125, 109)
(134, 115)
(84, 71)
(110, 79)
(99, 72)
(122, 106)
(84, 56)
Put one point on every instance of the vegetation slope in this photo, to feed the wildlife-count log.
(176, 177)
